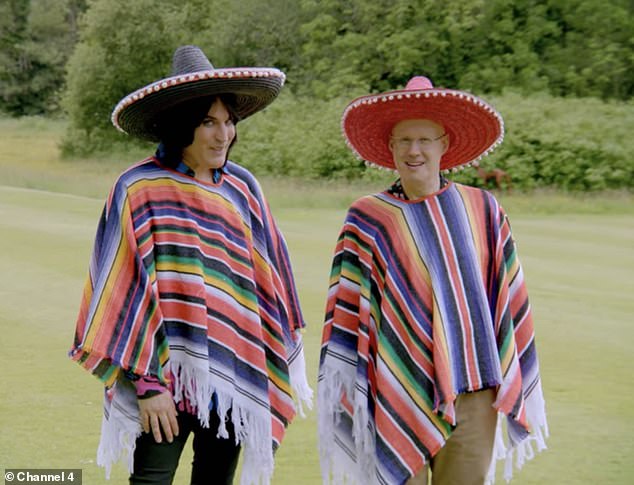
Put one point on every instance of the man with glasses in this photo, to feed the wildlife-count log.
(428, 344)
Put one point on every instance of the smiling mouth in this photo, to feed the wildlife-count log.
(414, 164)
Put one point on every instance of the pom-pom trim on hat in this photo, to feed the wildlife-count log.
(474, 127)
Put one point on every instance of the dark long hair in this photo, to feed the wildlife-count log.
(176, 125)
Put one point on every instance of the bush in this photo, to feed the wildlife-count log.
(578, 144)
(570, 144)
(297, 137)
(113, 59)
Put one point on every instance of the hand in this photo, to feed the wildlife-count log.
(159, 412)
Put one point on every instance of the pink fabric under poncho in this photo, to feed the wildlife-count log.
(191, 281)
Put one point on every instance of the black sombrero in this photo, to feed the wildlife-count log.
(193, 76)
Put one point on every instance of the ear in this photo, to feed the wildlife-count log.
(390, 145)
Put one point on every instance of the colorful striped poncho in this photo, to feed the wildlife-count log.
(192, 280)
(427, 300)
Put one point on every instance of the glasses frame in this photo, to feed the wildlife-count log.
(406, 143)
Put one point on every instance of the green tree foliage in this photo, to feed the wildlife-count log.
(359, 45)
(255, 33)
(115, 56)
(573, 47)
(506, 47)
(38, 37)
(594, 52)
(13, 27)
(570, 48)
(333, 50)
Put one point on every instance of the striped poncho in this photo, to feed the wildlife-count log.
(191, 281)
(427, 300)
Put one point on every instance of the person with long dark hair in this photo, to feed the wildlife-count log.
(190, 315)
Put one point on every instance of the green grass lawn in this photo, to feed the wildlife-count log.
(577, 254)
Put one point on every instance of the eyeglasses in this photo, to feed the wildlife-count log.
(406, 143)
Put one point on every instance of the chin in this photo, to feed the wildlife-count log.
(216, 163)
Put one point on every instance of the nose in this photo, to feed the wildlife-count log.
(414, 147)
(223, 133)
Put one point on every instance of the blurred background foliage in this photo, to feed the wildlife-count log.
(560, 71)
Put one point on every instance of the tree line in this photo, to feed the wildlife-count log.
(79, 57)
(575, 48)
(36, 40)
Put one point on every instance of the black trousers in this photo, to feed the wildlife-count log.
(215, 459)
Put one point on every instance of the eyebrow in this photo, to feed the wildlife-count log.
(214, 118)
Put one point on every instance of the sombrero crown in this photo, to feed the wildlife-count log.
(193, 76)
(474, 127)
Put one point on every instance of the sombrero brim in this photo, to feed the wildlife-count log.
(473, 126)
(253, 88)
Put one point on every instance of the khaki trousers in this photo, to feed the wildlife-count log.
(466, 457)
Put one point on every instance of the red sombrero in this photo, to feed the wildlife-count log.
(473, 126)
(194, 76)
